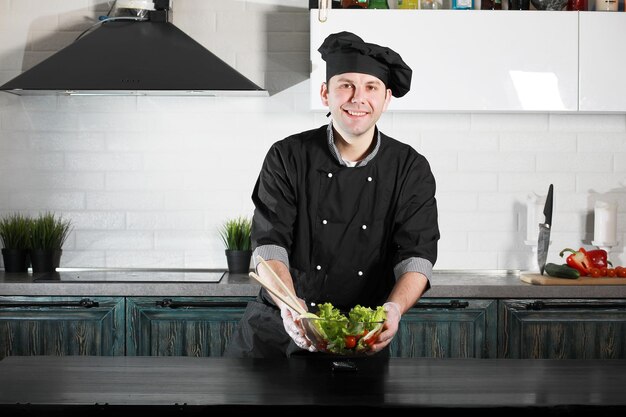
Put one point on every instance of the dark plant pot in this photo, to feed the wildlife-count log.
(45, 260)
(15, 260)
(238, 260)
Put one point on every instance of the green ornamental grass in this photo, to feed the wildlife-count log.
(15, 231)
(236, 233)
(49, 231)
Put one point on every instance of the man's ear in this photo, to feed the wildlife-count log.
(324, 94)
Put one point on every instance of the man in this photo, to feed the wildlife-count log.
(343, 213)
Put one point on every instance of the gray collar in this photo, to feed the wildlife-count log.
(337, 155)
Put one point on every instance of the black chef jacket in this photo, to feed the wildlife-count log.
(347, 233)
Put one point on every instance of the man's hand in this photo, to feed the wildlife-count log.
(390, 327)
(294, 328)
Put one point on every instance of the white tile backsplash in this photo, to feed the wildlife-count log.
(595, 123)
(120, 240)
(44, 200)
(148, 181)
(125, 200)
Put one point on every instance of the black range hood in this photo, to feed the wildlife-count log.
(122, 57)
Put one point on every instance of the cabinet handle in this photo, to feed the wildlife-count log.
(322, 13)
(542, 305)
(452, 304)
(85, 303)
(169, 303)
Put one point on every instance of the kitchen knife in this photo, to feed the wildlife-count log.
(544, 232)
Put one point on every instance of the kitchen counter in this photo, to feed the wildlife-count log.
(445, 284)
(84, 385)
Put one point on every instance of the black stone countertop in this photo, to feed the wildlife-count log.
(169, 386)
(445, 284)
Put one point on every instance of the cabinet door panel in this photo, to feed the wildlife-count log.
(563, 329)
(478, 61)
(61, 326)
(448, 332)
(602, 81)
(188, 326)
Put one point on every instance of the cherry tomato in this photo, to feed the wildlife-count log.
(621, 272)
(610, 272)
(350, 342)
(604, 271)
(594, 272)
(370, 341)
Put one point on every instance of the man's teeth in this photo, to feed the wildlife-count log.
(356, 113)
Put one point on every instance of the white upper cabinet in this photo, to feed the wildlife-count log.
(602, 60)
(475, 60)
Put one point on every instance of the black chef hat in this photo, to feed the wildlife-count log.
(346, 52)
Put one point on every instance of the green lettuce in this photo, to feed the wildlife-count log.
(334, 326)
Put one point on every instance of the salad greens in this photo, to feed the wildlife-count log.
(346, 333)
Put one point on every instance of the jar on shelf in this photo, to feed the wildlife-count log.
(355, 4)
(431, 4)
(408, 4)
(607, 5)
(462, 4)
(378, 4)
(491, 4)
(576, 5)
(519, 4)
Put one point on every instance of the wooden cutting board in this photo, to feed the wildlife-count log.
(538, 279)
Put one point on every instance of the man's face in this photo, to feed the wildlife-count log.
(356, 102)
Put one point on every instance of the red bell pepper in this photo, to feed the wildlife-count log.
(599, 258)
(579, 260)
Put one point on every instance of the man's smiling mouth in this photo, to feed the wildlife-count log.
(356, 113)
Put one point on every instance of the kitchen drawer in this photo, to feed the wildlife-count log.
(181, 326)
(446, 328)
(61, 326)
(562, 329)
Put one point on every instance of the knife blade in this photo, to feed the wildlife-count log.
(543, 241)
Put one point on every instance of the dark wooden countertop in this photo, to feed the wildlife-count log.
(178, 384)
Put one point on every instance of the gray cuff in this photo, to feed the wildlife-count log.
(415, 264)
(268, 252)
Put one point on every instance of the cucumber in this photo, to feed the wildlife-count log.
(561, 271)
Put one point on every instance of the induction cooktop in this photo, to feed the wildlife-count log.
(132, 275)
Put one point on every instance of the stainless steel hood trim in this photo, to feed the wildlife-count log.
(173, 93)
(134, 58)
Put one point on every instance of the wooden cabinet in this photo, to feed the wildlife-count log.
(202, 326)
(480, 61)
(194, 326)
(442, 328)
(562, 329)
(61, 326)
(181, 326)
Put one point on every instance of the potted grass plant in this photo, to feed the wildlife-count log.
(48, 234)
(235, 234)
(15, 235)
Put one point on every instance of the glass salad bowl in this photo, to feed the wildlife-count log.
(341, 337)
(332, 331)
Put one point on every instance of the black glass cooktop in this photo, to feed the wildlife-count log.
(133, 275)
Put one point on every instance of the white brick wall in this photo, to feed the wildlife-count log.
(147, 181)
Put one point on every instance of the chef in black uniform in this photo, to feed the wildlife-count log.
(343, 213)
